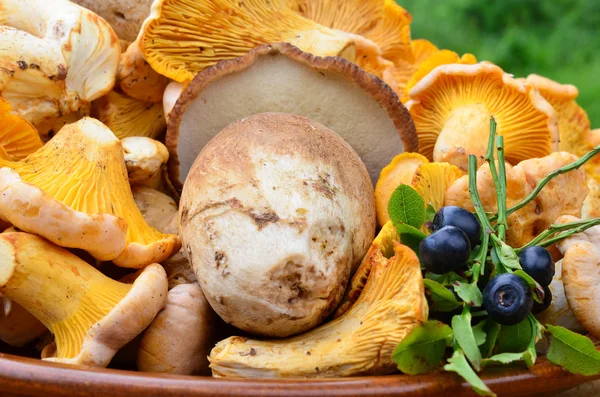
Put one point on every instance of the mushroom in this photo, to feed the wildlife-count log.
(18, 327)
(146, 160)
(276, 212)
(158, 209)
(90, 315)
(74, 192)
(128, 117)
(281, 78)
(18, 138)
(125, 16)
(360, 342)
(58, 58)
(580, 275)
(137, 79)
(452, 105)
(591, 205)
(430, 180)
(207, 31)
(563, 195)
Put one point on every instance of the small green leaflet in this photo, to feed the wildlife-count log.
(479, 333)
(430, 213)
(575, 353)
(469, 293)
(445, 279)
(406, 206)
(506, 255)
(502, 358)
(514, 338)
(424, 348)
(528, 356)
(532, 284)
(492, 329)
(441, 299)
(463, 335)
(410, 236)
(458, 363)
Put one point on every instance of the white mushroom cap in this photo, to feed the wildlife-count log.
(145, 159)
(158, 209)
(70, 38)
(274, 214)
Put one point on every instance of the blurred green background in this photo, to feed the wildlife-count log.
(559, 39)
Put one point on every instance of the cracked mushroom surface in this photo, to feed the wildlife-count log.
(59, 57)
(74, 191)
(452, 105)
(563, 195)
(90, 315)
(275, 214)
(281, 78)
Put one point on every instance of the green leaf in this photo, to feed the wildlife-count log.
(514, 338)
(424, 348)
(469, 293)
(463, 335)
(445, 279)
(532, 284)
(406, 206)
(430, 213)
(441, 299)
(492, 329)
(506, 254)
(410, 236)
(458, 363)
(479, 333)
(502, 359)
(575, 353)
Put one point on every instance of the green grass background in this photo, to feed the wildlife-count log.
(559, 39)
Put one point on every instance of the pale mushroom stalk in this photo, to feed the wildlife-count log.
(90, 315)
(18, 327)
(360, 342)
(145, 159)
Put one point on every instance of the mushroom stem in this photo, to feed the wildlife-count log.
(71, 298)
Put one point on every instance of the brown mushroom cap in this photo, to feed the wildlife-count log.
(275, 212)
(281, 78)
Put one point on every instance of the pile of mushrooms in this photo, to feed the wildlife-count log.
(170, 166)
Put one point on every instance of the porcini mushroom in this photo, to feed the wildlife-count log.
(74, 191)
(452, 105)
(360, 342)
(580, 275)
(18, 138)
(127, 117)
(145, 160)
(563, 195)
(90, 315)
(285, 182)
(61, 58)
(281, 78)
(207, 31)
(18, 327)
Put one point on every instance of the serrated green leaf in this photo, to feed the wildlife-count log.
(506, 255)
(463, 335)
(514, 338)
(445, 279)
(479, 333)
(440, 298)
(469, 293)
(424, 348)
(502, 359)
(492, 329)
(575, 353)
(458, 363)
(430, 213)
(406, 206)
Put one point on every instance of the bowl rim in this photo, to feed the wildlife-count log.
(32, 377)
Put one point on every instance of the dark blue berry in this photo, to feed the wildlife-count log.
(445, 250)
(538, 263)
(540, 307)
(460, 218)
(507, 299)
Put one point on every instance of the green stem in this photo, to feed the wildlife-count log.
(475, 198)
(562, 236)
(567, 168)
(490, 159)
(577, 227)
(501, 225)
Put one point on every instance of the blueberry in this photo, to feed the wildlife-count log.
(445, 250)
(540, 307)
(460, 218)
(537, 262)
(507, 299)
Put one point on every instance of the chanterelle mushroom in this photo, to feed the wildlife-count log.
(360, 342)
(145, 159)
(451, 108)
(281, 78)
(90, 315)
(74, 191)
(18, 138)
(137, 79)
(18, 327)
(127, 117)
(276, 211)
(61, 58)
(580, 275)
(563, 195)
